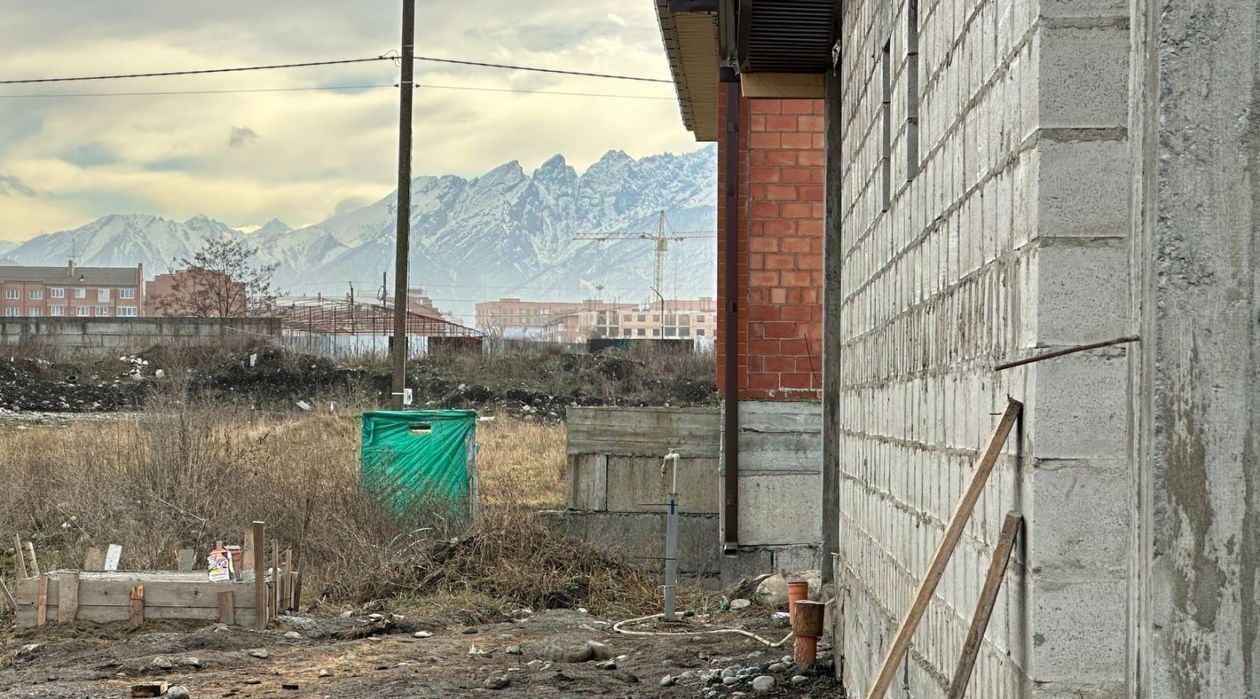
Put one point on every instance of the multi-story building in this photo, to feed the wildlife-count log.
(72, 291)
(691, 319)
(513, 317)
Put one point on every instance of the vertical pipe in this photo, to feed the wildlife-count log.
(403, 237)
(671, 556)
(730, 387)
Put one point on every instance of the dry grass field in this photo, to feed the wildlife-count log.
(184, 477)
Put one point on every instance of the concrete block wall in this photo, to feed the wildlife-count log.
(1002, 232)
(780, 487)
(133, 334)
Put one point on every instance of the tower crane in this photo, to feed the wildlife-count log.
(662, 247)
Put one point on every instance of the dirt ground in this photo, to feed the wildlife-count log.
(359, 657)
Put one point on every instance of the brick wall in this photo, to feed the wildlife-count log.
(780, 248)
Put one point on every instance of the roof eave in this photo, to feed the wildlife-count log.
(689, 33)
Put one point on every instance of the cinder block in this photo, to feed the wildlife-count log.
(1083, 188)
(1079, 407)
(1077, 518)
(1076, 631)
(635, 484)
(782, 509)
(1078, 294)
(1083, 77)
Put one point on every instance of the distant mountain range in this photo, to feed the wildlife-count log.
(505, 233)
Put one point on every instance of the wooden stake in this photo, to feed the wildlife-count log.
(295, 590)
(19, 558)
(137, 606)
(186, 559)
(227, 607)
(944, 550)
(257, 536)
(275, 578)
(67, 598)
(286, 588)
(30, 548)
(41, 601)
(247, 551)
(984, 606)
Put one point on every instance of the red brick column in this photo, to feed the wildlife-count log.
(780, 248)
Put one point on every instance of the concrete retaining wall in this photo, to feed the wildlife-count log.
(132, 334)
(615, 492)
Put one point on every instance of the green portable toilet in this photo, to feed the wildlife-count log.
(422, 455)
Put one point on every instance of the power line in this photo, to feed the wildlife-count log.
(204, 71)
(331, 88)
(344, 61)
(507, 66)
(193, 92)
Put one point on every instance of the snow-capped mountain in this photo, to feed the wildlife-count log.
(505, 233)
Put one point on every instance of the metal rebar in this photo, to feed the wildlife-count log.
(1066, 351)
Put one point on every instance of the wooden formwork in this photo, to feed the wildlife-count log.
(264, 589)
(66, 596)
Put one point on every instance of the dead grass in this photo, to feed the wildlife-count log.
(179, 477)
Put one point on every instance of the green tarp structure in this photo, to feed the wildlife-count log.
(425, 455)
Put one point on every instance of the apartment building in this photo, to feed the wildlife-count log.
(72, 291)
(516, 318)
(692, 319)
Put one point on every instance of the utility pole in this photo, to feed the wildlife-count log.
(403, 242)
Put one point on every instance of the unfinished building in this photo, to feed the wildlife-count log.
(1003, 180)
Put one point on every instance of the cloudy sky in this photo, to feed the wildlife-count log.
(244, 157)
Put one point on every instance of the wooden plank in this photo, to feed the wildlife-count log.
(19, 558)
(158, 593)
(30, 549)
(186, 559)
(41, 602)
(94, 559)
(137, 606)
(113, 556)
(67, 597)
(260, 584)
(227, 608)
(984, 606)
(286, 581)
(295, 591)
(944, 549)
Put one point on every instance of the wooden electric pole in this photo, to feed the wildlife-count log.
(403, 242)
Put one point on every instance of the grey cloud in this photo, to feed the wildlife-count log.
(12, 186)
(350, 204)
(242, 136)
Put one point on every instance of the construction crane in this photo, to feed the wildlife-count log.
(662, 247)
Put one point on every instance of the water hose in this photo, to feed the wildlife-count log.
(618, 627)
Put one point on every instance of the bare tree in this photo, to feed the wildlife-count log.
(220, 280)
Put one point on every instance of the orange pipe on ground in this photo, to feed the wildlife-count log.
(804, 650)
(796, 591)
